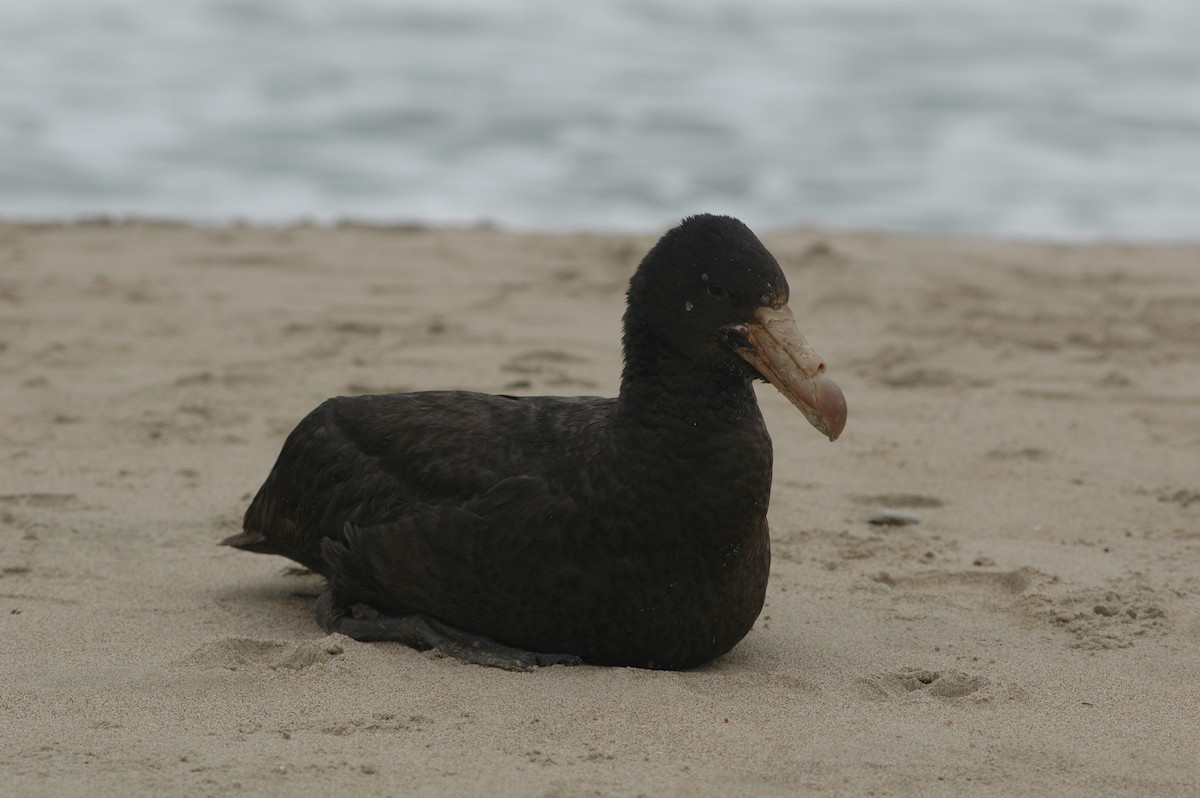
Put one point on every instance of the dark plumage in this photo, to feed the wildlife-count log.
(626, 531)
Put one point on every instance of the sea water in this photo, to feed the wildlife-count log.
(1067, 119)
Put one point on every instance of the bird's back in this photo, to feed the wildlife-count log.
(372, 460)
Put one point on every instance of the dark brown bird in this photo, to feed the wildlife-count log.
(524, 531)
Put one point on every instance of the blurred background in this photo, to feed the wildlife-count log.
(1070, 119)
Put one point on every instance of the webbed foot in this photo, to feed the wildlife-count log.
(422, 632)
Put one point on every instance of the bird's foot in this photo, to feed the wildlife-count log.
(423, 632)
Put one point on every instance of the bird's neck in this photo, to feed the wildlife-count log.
(693, 441)
(679, 399)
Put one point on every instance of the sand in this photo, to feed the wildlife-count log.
(1035, 406)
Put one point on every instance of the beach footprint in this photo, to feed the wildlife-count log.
(922, 682)
(1100, 619)
(246, 653)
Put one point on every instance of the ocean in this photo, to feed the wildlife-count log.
(1063, 120)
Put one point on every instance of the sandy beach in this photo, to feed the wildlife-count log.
(1036, 407)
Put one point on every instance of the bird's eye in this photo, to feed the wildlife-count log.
(717, 291)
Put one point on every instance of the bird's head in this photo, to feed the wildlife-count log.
(712, 293)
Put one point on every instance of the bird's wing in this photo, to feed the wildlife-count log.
(473, 565)
(376, 460)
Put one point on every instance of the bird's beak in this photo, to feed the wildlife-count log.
(773, 344)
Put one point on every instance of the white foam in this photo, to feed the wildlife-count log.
(1078, 119)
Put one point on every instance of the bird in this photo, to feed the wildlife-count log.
(518, 532)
